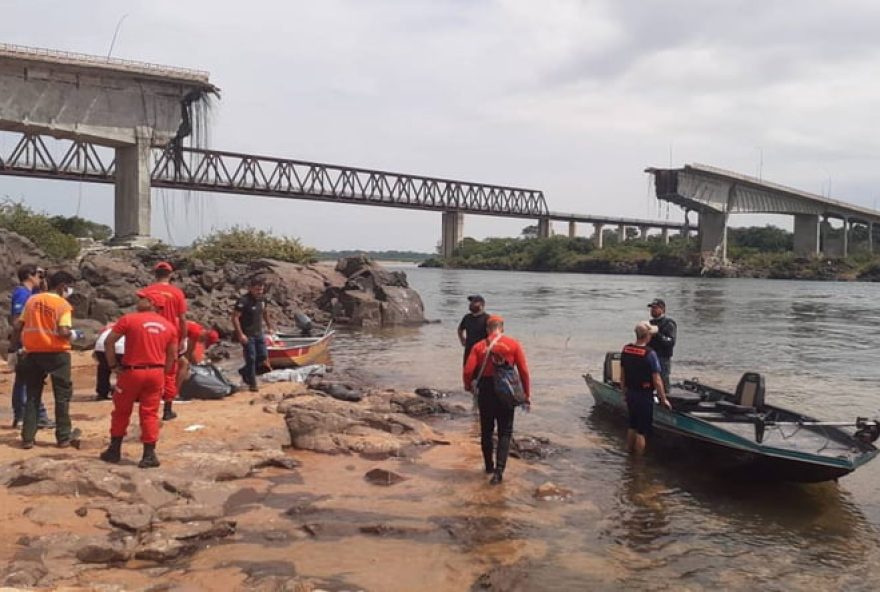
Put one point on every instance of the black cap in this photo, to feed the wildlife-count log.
(476, 298)
(657, 302)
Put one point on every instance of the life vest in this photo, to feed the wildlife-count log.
(636, 369)
(42, 316)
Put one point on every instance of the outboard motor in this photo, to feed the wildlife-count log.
(303, 323)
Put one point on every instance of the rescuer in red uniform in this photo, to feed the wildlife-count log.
(174, 310)
(150, 353)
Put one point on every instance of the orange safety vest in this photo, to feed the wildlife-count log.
(43, 314)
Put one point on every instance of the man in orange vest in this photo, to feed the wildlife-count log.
(150, 352)
(44, 331)
(174, 310)
(492, 409)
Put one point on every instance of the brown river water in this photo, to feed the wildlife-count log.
(657, 523)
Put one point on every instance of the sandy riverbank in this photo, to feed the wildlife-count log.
(235, 507)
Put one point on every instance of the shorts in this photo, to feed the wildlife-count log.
(640, 407)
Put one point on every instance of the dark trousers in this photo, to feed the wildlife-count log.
(19, 399)
(35, 367)
(103, 388)
(494, 412)
(665, 369)
(255, 355)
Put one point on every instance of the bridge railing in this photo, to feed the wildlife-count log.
(229, 172)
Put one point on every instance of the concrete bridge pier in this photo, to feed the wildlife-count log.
(572, 229)
(598, 236)
(665, 235)
(713, 235)
(643, 232)
(621, 233)
(132, 190)
(543, 227)
(806, 234)
(451, 233)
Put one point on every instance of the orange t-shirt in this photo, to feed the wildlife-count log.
(507, 348)
(43, 314)
(147, 336)
(175, 301)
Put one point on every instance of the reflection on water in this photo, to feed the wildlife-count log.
(663, 521)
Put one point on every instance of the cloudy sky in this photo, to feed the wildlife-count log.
(573, 97)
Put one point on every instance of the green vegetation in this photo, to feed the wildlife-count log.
(242, 244)
(40, 229)
(412, 256)
(753, 252)
(81, 228)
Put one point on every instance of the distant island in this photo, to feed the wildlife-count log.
(755, 252)
(408, 256)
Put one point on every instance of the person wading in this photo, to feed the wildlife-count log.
(249, 317)
(472, 328)
(494, 411)
(44, 330)
(174, 310)
(103, 388)
(639, 378)
(151, 344)
(198, 339)
(31, 280)
(663, 339)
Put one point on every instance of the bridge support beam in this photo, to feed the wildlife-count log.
(643, 232)
(665, 234)
(132, 191)
(543, 227)
(621, 233)
(452, 232)
(572, 229)
(598, 235)
(713, 236)
(806, 234)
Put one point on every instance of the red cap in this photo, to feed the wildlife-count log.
(212, 337)
(163, 265)
(156, 299)
(495, 319)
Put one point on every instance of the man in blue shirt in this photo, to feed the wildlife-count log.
(639, 377)
(31, 279)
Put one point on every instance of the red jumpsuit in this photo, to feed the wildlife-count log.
(173, 309)
(142, 377)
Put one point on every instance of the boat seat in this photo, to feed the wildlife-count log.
(749, 396)
(612, 370)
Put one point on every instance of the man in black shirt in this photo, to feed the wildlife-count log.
(663, 339)
(249, 317)
(472, 328)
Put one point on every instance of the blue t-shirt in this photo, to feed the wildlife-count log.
(20, 296)
(654, 362)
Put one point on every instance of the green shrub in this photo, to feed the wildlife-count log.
(81, 228)
(39, 229)
(243, 244)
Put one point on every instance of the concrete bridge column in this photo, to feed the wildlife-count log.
(665, 234)
(543, 227)
(643, 232)
(572, 229)
(846, 227)
(621, 233)
(452, 232)
(598, 237)
(132, 190)
(871, 237)
(806, 234)
(713, 235)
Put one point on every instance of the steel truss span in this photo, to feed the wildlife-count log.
(228, 172)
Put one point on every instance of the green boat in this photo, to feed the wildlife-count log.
(741, 433)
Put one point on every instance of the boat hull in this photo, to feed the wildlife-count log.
(293, 352)
(729, 452)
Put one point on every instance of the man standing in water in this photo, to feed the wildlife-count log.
(492, 408)
(663, 338)
(639, 377)
(472, 328)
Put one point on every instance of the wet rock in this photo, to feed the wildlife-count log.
(133, 517)
(549, 491)
(416, 405)
(383, 477)
(159, 548)
(105, 550)
(342, 392)
(430, 393)
(199, 530)
(533, 447)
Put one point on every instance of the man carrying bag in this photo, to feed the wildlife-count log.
(496, 371)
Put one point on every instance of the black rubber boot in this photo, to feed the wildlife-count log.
(113, 454)
(497, 477)
(490, 467)
(167, 413)
(149, 460)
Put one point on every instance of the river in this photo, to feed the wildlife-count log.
(663, 523)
